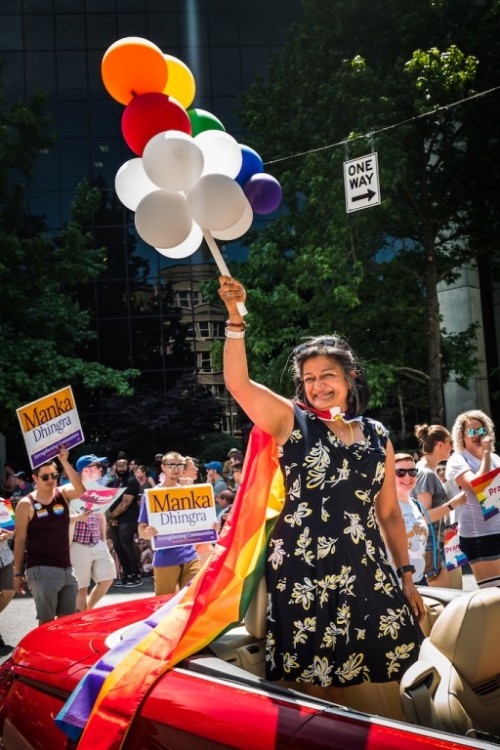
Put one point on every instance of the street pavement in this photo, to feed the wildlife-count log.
(19, 617)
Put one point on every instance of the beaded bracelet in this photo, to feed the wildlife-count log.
(235, 334)
(241, 325)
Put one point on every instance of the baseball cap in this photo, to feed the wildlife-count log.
(215, 465)
(85, 461)
(21, 475)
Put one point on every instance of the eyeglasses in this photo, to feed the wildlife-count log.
(45, 477)
(175, 466)
(401, 472)
(480, 431)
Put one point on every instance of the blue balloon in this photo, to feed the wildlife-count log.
(251, 164)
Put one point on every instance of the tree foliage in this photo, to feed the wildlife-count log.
(41, 321)
(356, 77)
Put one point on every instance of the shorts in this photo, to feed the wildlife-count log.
(481, 548)
(92, 563)
(7, 577)
(54, 591)
(167, 578)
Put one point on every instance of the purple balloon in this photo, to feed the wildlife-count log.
(263, 192)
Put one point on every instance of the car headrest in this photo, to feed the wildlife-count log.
(466, 633)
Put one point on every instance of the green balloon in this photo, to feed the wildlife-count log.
(202, 120)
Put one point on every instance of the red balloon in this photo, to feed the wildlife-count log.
(149, 114)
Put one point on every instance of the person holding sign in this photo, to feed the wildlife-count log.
(41, 544)
(336, 614)
(172, 566)
(473, 436)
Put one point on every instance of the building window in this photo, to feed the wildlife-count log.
(204, 362)
(219, 329)
(204, 329)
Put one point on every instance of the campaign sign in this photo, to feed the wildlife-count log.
(181, 515)
(7, 515)
(48, 423)
(487, 489)
(454, 557)
(97, 498)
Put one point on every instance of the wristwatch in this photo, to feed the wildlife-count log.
(405, 569)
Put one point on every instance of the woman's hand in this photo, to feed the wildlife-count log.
(414, 598)
(231, 292)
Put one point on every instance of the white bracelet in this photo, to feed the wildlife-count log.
(234, 334)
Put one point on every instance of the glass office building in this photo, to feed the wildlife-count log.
(143, 299)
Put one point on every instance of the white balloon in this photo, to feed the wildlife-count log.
(216, 202)
(222, 153)
(239, 228)
(132, 183)
(188, 247)
(172, 160)
(162, 219)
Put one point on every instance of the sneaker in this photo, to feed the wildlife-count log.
(119, 582)
(133, 581)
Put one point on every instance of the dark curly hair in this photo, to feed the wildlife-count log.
(339, 351)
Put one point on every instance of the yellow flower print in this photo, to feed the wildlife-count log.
(326, 546)
(295, 519)
(390, 624)
(360, 634)
(325, 516)
(295, 489)
(343, 473)
(319, 671)
(395, 657)
(303, 593)
(370, 550)
(379, 473)
(296, 436)
(317, 462)
(352, 668)
(289, 662)
(281, 585)
(363, 496)
(382, 582)
(355, 528)
(303, 542)
(326, 584)
(346, 580)
(308, 625)
(277, 553)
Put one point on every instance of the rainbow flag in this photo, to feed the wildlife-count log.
(487, 490)
(7, 515)
(104, 703)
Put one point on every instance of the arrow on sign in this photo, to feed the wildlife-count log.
(368, 195)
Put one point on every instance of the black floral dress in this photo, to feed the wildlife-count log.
(336, 614)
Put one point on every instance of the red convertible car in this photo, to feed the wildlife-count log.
(219, 698)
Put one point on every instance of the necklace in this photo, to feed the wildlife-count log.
(335, 423)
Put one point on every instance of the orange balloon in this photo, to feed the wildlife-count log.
(133, 66)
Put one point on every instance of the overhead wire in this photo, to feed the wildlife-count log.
(347, 141)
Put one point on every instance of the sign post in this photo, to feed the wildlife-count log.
(361, 182)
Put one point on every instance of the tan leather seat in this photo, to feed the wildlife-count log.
(455, 684)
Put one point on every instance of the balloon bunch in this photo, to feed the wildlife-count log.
(191, 179)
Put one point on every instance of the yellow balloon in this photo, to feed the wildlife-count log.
(180, 84)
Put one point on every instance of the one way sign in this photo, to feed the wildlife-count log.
(362, 188)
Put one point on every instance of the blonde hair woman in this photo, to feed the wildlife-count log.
(473, 437)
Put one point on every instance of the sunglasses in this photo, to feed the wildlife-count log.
(401, 472)
(480, 431)
(175, 466)
(45, 477)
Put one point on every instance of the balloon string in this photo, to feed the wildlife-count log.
(221, 264)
